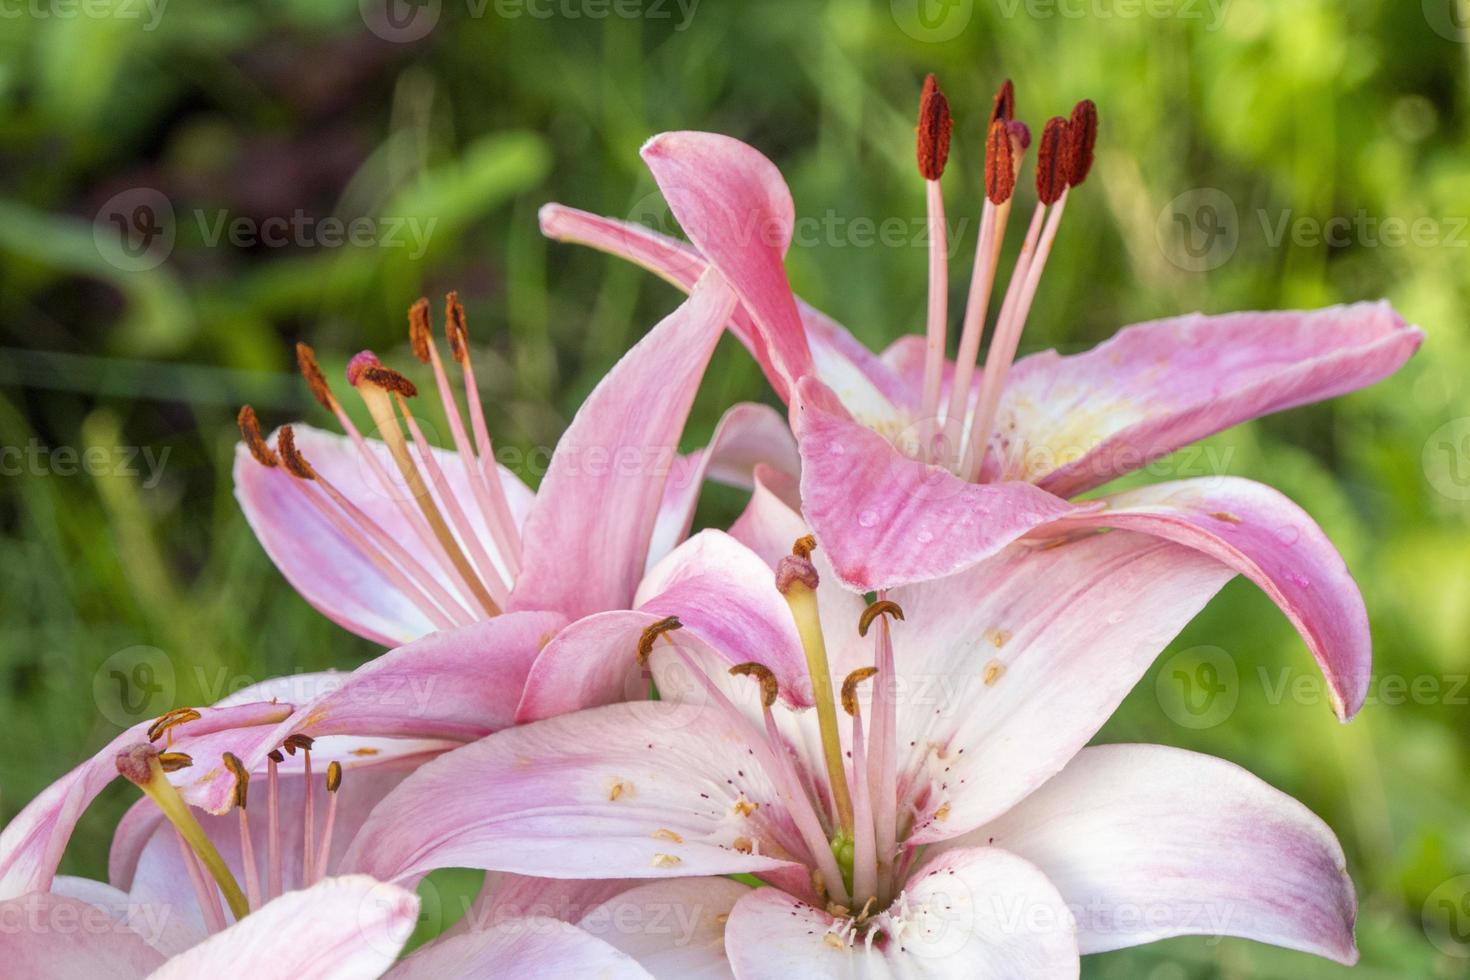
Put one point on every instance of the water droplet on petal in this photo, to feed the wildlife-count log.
(836, 448)
(925, 536)
(867, 518)
(1115, 617)
(1288, 535)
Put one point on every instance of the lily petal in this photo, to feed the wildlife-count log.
(525, 947)
(885, 520)
(866, 383)
(725, 597)
(1258, 532)
(640, 790)
(1074, 423)
(340, 929)
(598, 506)
(1146, 842)
(976, 912)
(674, 929)
(748, 435)
(64, 938)
(324, 567)
(733, 204)
(1008, 669)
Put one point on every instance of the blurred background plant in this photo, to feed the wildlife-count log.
(166, 176)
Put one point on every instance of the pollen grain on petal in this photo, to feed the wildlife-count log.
(883, 607)
(994, 671)
(743, 845)
(254, 441)
(849, 688)
(652, 632)
(1226, 516)
(744, 807)
(619, 789)
(296, 464)
(663, 833)
(420, 333)
(769, 688)
(1051, 161)
(935, 124)
(666, 860)
(312, 371)
(998, 637)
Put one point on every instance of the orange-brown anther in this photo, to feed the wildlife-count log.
(334, 777)
(932, 146)
(312, 372)
(242, 778)
(1000, 163)
(254, 441)
(297, 741)
(803, 546)
(420, 334)
(883, 607)
(174, 761)
(762, 673)
(1004, 106)
(296, 463)
(389, 380)
(1051, 163)
(455, 328)
(651, 633)
(275, 756)
(849, 688)
(1081, 137)
(171, 719)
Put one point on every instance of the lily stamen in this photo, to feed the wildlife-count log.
(247, 844)
(334, 783)
(273, 856)
(865, 852)
(932, 151)
(883, 748)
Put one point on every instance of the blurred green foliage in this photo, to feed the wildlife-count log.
(1291, 111)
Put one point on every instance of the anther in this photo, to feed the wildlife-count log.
(389, 380)
(849, 688)
(803, 546)
(312, 372)
(242, 778)
(275, 756)
(1004, 107)
(455, 328)
(172, 719)
(254, 441)
(296, 463)
(297, 741)
(334, 777)
(1000, 163)
(420, 334)
(762, 673)
(1051, 162)
(933, 131)
(174, 761)
(651, 633)
(1081, 137)
(883, 607)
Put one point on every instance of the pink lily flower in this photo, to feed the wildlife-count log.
(262, 891)
(394, 538)
(936, 813)
(916, 467)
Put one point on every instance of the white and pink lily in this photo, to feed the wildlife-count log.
(394, 538)
(915, 467)
(952, 823)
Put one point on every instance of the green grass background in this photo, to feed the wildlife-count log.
(1295, 110)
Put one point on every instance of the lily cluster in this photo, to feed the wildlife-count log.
(875, 691)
